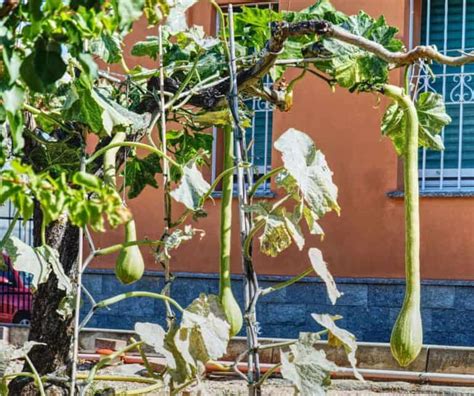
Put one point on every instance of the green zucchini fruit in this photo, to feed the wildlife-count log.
(130, 265)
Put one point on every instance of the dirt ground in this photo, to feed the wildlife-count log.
(221, 386)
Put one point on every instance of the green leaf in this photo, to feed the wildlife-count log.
(251, 26)
(44, 66)
(338, 337)
(275, 237)
(202, 335)
(432, 118)
(10, 352)
(107, 47)
(308, 167)
(174, 240)
(353, 67)
(307, 368)
(103, 115)
(128, 11)
(50, 258)
(13, 65)
(13, 99)
(176, 20)
(192, 187)
(24, 258)
(149, 47)
(138, 173)
(209, 331)
(17, 124)
(321, 269)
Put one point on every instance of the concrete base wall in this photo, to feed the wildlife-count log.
(369, 306)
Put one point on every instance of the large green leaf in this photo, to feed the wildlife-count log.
(321, 269)
(432, 118)
(128, 11)
(308, 167)
(307, 368)
(103, 115)
(176, 21)
(353, 67)
(107, 47)
(192, 187)
(202, 335)
(338, 337)
(140, 172)
(39, 262)
(44, 66)
(8, 353)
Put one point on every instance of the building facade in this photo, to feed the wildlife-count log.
(364, 247)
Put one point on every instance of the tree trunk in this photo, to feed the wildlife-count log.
(47, 326)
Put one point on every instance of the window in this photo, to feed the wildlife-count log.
(449, 25)
(23, 232)
(259, 135)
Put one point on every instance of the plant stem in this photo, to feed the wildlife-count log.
(38, 381)
(268, 374)
(144, 146)
(110, 158)
(287, 283)
(262, 179)
(10, 229)
(119, 246)
(118, 378)
(123, 296)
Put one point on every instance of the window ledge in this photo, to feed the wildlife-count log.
(258, 194)
(434, 194)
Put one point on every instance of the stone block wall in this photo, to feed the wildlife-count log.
(369, 306)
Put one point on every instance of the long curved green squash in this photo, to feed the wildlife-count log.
(407, 334)
(226, 297)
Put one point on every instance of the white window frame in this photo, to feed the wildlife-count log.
(446, 179)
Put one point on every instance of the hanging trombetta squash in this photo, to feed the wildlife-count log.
(407, 334)
(130, 266)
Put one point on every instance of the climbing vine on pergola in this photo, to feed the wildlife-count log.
(55, 97)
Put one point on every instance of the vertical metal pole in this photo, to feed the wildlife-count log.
(80, 257)
(250, 278)
(166, 190)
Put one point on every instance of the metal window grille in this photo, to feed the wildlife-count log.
(15, 296)
(449, 25)
(259, 134)
(21, 231)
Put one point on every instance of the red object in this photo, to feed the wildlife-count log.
(15, 295)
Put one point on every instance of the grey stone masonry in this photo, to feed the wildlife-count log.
(368, 306)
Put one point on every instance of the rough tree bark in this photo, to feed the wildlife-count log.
(47, 326)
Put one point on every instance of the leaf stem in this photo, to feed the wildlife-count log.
(144, 146)
(119, 246)
(287, 283)
(123, 296)
(10, 229)
(248, 240)
(38, 381)
(262, 179)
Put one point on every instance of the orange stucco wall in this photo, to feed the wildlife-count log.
(367, 239)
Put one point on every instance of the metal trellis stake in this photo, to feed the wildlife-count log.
(251, 288)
